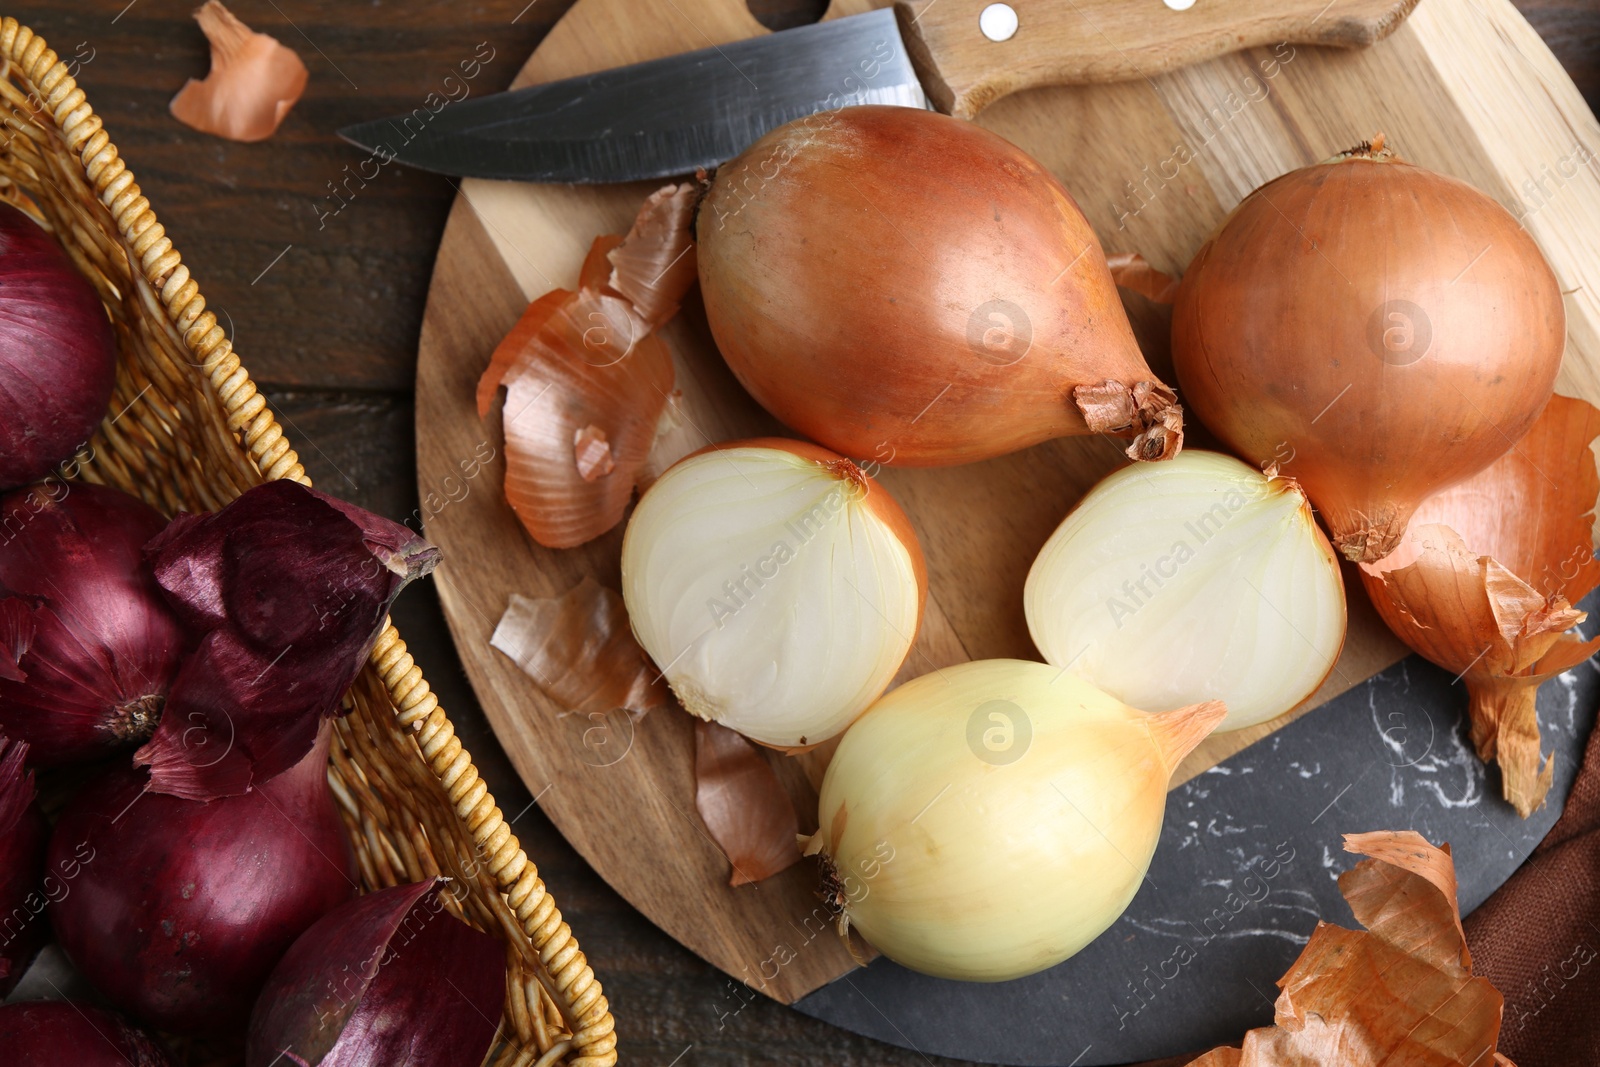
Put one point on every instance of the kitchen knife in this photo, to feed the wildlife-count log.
(669, 116)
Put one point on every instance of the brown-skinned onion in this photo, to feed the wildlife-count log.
(911, 289)
(1378, 330)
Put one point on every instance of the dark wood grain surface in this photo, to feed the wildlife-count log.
(323, 277)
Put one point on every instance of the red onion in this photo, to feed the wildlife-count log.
(183, 907)
(287, 589)
(58, 357)
(22, 838)
(88, 648)
(54, 1033)
(385, 979)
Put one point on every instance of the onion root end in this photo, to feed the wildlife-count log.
(135, 720)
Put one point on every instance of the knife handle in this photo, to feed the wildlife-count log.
(1063, 42)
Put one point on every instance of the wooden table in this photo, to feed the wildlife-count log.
(323, 276)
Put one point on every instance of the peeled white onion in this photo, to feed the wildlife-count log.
(1196, 579)
(777, 587)
(987, 821)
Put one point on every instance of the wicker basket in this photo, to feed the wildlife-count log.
(188, 429)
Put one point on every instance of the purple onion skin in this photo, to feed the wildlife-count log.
(23, 929)
(183, 907)
(387, 978)
(287, 590)
(58, 355)
(57, 1033)
(88, 645)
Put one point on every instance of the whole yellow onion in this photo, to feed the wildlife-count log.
(987, 821)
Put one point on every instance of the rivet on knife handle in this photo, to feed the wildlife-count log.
(1074, 41)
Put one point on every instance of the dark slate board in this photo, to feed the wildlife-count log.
(1246, 867)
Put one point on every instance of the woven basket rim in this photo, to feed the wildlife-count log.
(564, 972)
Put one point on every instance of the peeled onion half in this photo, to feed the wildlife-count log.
(1196, 579)
(777, 587)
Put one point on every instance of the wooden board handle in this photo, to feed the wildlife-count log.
(1057, 42)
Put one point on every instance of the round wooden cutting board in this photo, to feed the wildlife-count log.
(1465, 88)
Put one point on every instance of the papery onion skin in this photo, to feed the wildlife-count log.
(988, 820)
(1484, 582)
(911, 289)
(387, 978)
(743, 804)
(1198, 579)
(1474, 617)
(588, 383)
(58, 357)
(58, 1033)
(1379, 330)
(1401, 991)
(286, 591)
(579, 649)
(23, 833)
(88, 646)
(744, 616)
(181, 908)
(253, 82)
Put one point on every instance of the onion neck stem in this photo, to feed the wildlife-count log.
(1505, 727)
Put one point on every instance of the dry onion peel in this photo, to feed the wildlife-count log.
(391, 977)
(1132, 271)
(285, 590)
(1485, 581)
(776, 585)
(905, 287)
(580, 651)
(1037, 794)
(253, 83)
(743, 804)
(676, 437)
(655, 264)
(1533, 508)
(1378, 330)
(587, 381)
(1196, 579)
(1499, 633)
(1402, 991)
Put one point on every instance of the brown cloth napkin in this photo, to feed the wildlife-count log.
(1538, 941)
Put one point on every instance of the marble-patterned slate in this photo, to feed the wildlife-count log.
(1246, 867)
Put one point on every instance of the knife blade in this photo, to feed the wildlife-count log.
(662, 117)
(672, 115)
